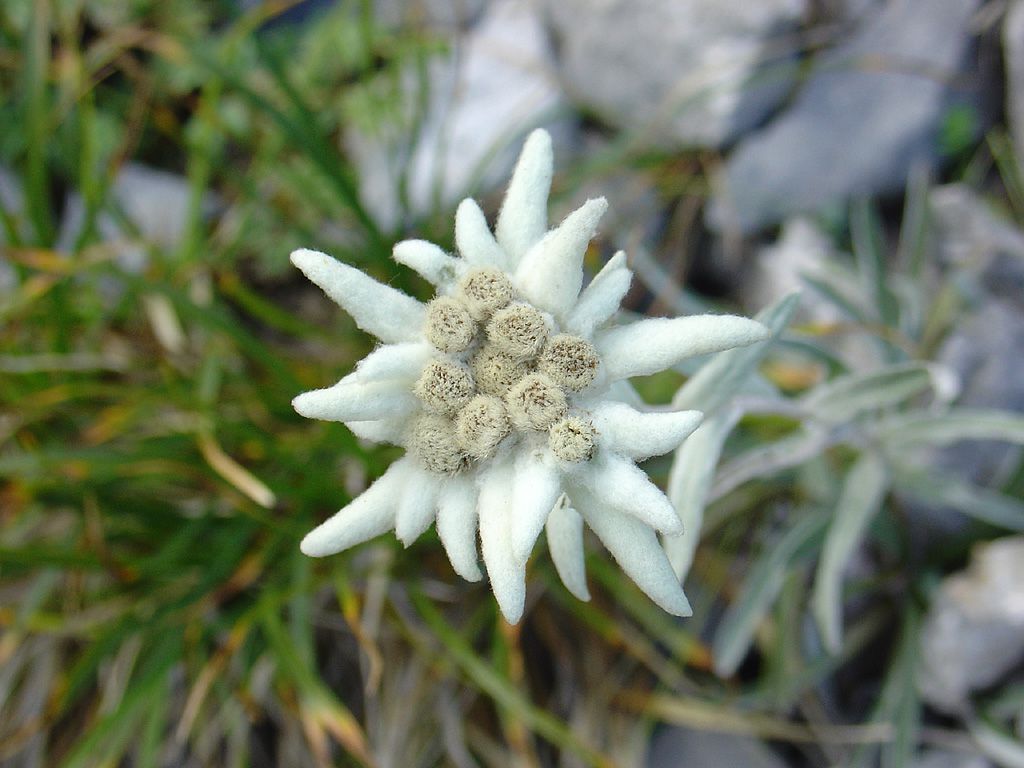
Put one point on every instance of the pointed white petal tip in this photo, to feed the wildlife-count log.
(639, 434)
(429, 260)
(301, 405)
(313, 545)
(655, 344)
(539, 140)
(522, 220)
(355, 402)
(473, 237)
(387, 313)
(550, 274)
(306, 258)
(622, 486)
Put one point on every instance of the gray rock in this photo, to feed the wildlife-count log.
(677, 72)
(986, 349)
(871, 110)
(684, 748)
(480, 102)
(851, 10)
(802, 250)
(974, 631)
(973, 239)
(1013, 52)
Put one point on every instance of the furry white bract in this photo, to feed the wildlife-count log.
(561, 455)
(432, 263)
(388, 314)
(649, 346)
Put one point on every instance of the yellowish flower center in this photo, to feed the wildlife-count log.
(503, 372)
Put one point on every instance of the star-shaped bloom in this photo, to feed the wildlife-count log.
(508, 391)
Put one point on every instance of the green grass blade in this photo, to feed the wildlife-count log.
(498, 687)
(764, 580)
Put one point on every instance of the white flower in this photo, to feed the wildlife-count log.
(507, 391)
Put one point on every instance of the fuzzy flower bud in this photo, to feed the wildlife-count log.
(481, 426)
(535, 402)
(572, 439)
(496, 371)
(570, 361)
(485, 291)
(432, 441)
(448, 325)
(519, 330)
(444, 387)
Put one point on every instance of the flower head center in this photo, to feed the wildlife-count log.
(502, 372)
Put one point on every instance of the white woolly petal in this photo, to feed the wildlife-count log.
(601, 298)
(388, 314)
(551, 273)
(431, 262)
(639, 434)
(456, 525)
(381, 430)
(536, 487)
(649, 346)
(370, 514)
(524, 213)
(564, 531)
(620, 484)
(636, 549)
(394, 361)
(474, 239)
(507, 574)
(417, 507)
(351, 401)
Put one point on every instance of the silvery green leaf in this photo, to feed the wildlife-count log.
(870, 252)
(946, 490)
(1000, 746)
(859, 500)
(721, 378)
(844, 398)
(763, 583)
(950, 427)
(767, 459)
(833, 282)
(688, 482)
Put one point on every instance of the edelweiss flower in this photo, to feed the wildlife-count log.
(507, 391)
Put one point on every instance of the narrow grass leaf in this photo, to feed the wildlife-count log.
(234, 473)
(905, 701)
(317, 701)
(764, 580)
(898, 703)
(499, 688)
(859, 500)
(111, 734)
(700, 715)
